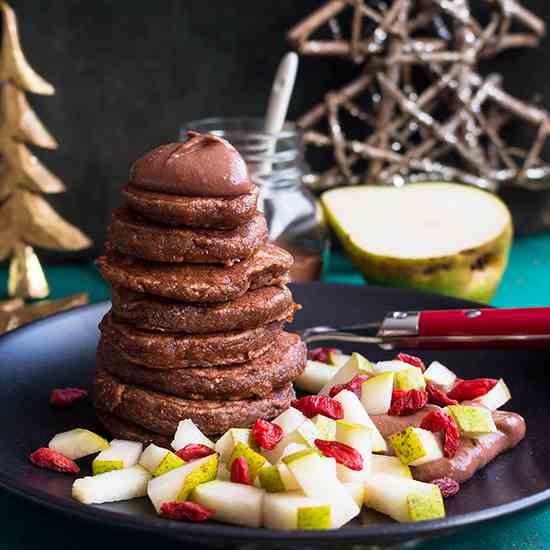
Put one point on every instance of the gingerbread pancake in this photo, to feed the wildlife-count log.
(209, 212)
(130, 233)
(285, 361)
(161, 413)
(176, 351)
(198, 282)
(255, 307)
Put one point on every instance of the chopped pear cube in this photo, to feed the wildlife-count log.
(77, 443)
(188, 433)
(315, 376)
(313, 476)
(357, 491)
(389, 465)
(495, 398)
(112, 486)
(159, 461)
(120, 454)
(305, 434)
(376, 393)
(325, 426)
(390, 366)
(226, 444)
(355, 412)
(293, 448)
(409, 379)
(359, 437)
(472, 421)
(177, 484)
(337, 358)
(405, 500)
(416, 446)
(254, 460)
(233, 503)
(296, 511)
(289, 420)
(277, 478)
(357, 364)
(440, 375)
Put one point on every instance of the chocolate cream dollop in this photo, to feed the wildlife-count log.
(203, 166)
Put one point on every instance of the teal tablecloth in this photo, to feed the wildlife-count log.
(526, 283)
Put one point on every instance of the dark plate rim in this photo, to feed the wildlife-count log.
(381, 532)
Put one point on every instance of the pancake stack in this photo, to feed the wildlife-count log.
(198, 300)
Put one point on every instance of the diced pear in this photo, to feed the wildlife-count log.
(315, 376)
(416, 446)
(495, 398)
(120, 454)
(296, 511)
(337, 358)
(178, 483)
(223, 473)
(390, 366)
(112, 486)
(187, 433)
(359, 437)
(293, 448)
(159, 461)
(277, 478)
(289, 420)
(409, 379)
(226, 444)
(440, 375)
(376, 393)
(305, 434)
(233, 503)
(355, 412)
(357, 491)
(405, 500)
(357, 364)
(254, 460)
(77, 443)
(313, 476)
(389, 465)
(472, 421)
(325, 426)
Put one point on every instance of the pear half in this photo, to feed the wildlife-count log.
(442, 237)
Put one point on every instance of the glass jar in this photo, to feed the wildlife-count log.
(276, 164)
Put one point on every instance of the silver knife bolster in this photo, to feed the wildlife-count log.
(400, 323)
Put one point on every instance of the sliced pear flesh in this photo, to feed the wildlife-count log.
(78, 443)
(440, 375)
(473, 422)
(159, 461)
(325, 426)
(357, 364)
(187, 433)
(359, 437)
(315, 376)
(409, 379)
(389, 465)
(496, 397)
(226, 444)
(416, 446)
(120, 454)
(305, 434)
(376, 393)
(254, 460)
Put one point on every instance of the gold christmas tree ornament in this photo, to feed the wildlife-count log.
(26, 219)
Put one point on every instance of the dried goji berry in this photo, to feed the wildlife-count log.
(186, 509)
(436, 396)
(64, 397)
(465, 390)
(451, 441)
(411, 360)
(438, 421)
(435, 421)
(53, 460)
(343, 454)
(408, 402)
(193, 451)
(240, 473)
(312, 405)
(266, 434)
(354, 385)
(321, 354)
(447, 486)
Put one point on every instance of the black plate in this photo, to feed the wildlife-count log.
(60, 351)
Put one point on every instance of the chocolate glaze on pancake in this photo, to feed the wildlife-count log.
(177, 351)
(253, 308)
(130, 233)
(284, 362)
(217, 212)
(161, 413)
(472, 455)
(197, 282)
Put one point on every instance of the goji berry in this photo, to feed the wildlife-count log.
(240, 473)
(186, 509)
(354, 385)
(321, 354)
(266, 434)
(65, 397)
(343, 454)
(312, 405)
(466, 390)
(451, 441)
(435, 421)
(411, 360)
(193, 451)
(53, 460)
(438, 421)
(408, 402)
(447, 486)
(436, 396)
